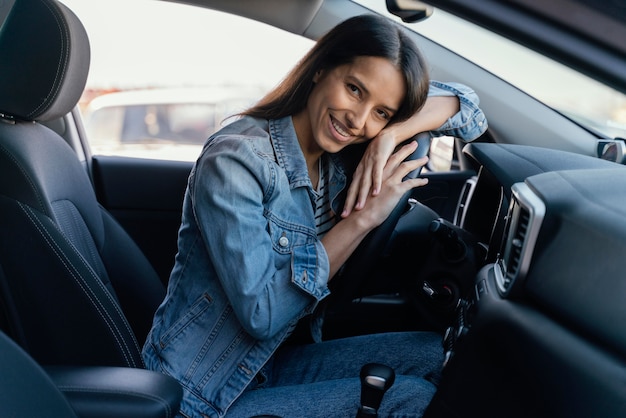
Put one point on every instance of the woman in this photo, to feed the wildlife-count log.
(259, 239)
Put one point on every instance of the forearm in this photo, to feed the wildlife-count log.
(341, 241)
(435, 112)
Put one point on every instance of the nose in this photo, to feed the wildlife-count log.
(357, 118)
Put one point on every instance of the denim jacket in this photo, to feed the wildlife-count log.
(470, 121)
(249, 264)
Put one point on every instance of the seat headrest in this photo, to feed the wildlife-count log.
(44, 60)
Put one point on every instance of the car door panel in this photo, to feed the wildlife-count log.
(146, 197)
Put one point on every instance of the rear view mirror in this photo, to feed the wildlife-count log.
(410, 11)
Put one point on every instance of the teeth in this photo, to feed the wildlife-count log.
(338, 129)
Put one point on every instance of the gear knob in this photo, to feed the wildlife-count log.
(375, 380)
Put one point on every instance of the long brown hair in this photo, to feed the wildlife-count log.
(365, 35)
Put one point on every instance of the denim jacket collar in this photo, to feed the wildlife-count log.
(289, 156)
(288, 152)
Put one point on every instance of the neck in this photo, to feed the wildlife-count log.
(310, 149)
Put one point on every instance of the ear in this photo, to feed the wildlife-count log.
(318, 75)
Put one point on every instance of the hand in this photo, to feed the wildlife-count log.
(368, 175)
(343, 238)
(367, 180)
(378, 207)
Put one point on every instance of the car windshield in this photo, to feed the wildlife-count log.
(591, 104)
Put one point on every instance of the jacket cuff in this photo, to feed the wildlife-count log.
(469, 122)
(310, 269)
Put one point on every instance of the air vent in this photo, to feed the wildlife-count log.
(517, 242)
(464, 199)
(524, 219)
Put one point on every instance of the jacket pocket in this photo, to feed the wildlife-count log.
(196, 310)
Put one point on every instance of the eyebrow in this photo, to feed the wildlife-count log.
(360, 84)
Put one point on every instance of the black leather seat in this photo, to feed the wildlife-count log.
(76, 293)
(27, 390)
(76, 289)
(20, 379)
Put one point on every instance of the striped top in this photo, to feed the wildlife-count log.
(324, 217)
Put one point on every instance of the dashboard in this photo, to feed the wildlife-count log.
(544, 314)
(485, 202)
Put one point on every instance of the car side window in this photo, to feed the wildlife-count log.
(157, 90)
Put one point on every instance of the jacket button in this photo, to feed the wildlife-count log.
(283, 241)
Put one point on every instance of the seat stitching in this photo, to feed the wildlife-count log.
(25, 174)
(62, 65)
(94, 300)
(75, 226)
(88, 292)
(102, 286)
(85, 288)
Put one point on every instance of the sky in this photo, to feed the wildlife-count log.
(131, 47)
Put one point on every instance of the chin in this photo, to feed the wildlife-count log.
(334, 147)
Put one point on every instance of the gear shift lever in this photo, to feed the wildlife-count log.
(375, 380)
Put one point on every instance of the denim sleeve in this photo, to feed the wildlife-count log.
(267, 284)
(469, 122)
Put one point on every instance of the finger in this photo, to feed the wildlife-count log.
(377, 177)
(408, 166)
(350, 199)
(407, 149)
(410, 184)
(364, 191)
(400, 155)
(416, 182)
(353, 190)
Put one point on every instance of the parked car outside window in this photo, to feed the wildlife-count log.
(164, 95)
(162, 123)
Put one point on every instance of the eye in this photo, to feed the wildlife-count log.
(384, 114)
(354, 89)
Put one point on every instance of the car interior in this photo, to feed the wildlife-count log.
(514, 257)
(76, 290)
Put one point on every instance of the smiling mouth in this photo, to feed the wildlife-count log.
(339, 128)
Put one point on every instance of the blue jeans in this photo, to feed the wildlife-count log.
(322, 380)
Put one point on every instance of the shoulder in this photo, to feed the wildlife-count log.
(240, 149)
(247, 137)
(245, 131)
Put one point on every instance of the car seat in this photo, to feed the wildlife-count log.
(75, 288)
(20, 379)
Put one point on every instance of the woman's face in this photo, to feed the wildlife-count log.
(350, 104)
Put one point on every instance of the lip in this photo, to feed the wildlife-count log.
(339, 131)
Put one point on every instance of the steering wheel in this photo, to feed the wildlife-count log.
(362, 260)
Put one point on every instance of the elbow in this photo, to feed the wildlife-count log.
(260, 334)
(260, 326)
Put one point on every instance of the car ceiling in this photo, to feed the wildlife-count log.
(295, 15)
(587, 35)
